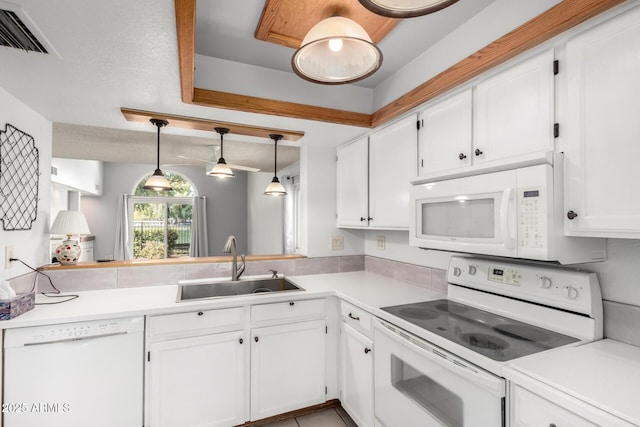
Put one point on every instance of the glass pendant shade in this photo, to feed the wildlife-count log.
(275, 188)
(157, 181)
(221, 169)
(336, 50)
(405, 8)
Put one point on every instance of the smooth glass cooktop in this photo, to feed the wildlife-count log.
(497, 337)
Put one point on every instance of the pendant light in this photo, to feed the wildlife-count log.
(157, 181)
(221, 169)
(336, 51)
(405, 8)
(275, 188)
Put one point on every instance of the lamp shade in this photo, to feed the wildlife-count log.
(336, 50)
(275, 188)
(221, 169)
(157, 182)
(70, 223)
(405, 8)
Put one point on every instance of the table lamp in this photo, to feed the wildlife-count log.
(69, 223)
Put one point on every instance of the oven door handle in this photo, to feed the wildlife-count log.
(490, 382)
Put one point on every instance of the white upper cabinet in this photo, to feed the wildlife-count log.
(513, 112)
(446, 134)
(392, 166)
(602, 138)
(353, 182)
(374, 176)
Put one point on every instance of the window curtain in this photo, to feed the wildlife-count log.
(199, 239)
(121, 249)
(289, 216)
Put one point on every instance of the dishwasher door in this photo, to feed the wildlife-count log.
(75, 374)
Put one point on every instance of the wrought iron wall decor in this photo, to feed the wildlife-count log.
(19, 177)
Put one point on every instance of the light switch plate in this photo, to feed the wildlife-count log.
(380, 243)
(337, 243)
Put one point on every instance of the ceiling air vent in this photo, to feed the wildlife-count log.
(15, 33)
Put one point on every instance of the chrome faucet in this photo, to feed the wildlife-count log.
(231, 248)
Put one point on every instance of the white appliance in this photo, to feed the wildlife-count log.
(75, 374)
(513, 213)
(440, 362)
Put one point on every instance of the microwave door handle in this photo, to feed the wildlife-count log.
(509, 241)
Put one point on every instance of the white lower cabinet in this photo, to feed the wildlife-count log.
(356, 393)
(287, 367)
(198, 381)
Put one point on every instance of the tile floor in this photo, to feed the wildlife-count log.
(331, 417)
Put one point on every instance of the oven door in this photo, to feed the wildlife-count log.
(418, 384)
(474, 214)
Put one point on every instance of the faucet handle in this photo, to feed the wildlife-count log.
(274, 273)
(240, 268)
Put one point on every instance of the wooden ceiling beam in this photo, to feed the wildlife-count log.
(186, 30)
(209, 125)
(251, 104)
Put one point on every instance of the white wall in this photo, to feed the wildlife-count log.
(264, 217)
(31, 246)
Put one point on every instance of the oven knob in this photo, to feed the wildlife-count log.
(570, 292)
(456, 271)
(472, 270)
(544, 282)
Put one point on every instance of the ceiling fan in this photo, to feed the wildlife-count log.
(214, 159)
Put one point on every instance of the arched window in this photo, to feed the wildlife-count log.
(161, 221)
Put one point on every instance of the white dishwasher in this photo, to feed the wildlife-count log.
(74, 374)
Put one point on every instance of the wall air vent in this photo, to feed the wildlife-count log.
(15, 33)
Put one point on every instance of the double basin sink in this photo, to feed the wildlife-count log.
(216, 288)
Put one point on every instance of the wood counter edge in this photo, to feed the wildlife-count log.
(168, 261)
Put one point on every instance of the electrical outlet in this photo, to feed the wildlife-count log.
(8, 254)
(380, 243)
(337, 243)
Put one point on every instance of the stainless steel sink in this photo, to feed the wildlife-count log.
(193, 291)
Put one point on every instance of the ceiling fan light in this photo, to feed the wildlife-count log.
(336, 50)
(405, 8)
(221, 170)
(275, 188)
(157, 182)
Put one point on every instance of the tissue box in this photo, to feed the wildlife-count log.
(17, 305)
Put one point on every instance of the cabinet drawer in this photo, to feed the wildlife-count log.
(194, 323)
(356, 317)
(533, 410)
(289, 310)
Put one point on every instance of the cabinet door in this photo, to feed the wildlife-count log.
(352, 185)
(287, 368)
(198, 381)
(601, 145)
(356, 392)
(445, 137)
(392, 166)
(514, 112)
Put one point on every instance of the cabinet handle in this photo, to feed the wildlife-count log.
(354, 317)
(363, 218)
(200, 313)
(462, 156)
(241, 341)
(291, 303)
(367, 350)
(369, 218)
(256, 339)
(572, 215)
(478, 152)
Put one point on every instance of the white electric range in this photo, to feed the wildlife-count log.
(442, 363)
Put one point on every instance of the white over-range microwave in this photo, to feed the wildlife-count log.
(513, 213)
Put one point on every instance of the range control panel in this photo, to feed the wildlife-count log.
(549, 285)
